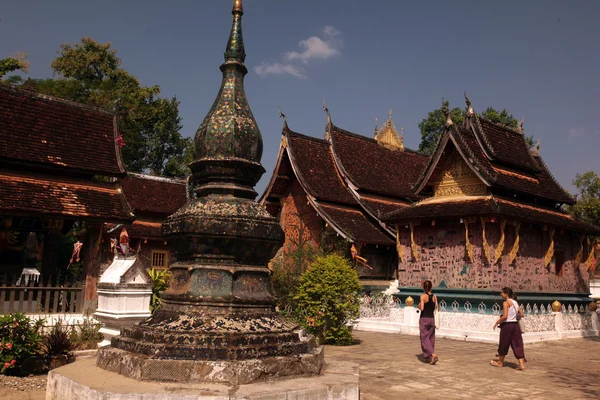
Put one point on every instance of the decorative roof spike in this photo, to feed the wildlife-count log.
(536, 148)
(446, 112)
(470, 110)
(520, 126)
(328, 115)
(235, 51)
(376, 127)
(282, 115)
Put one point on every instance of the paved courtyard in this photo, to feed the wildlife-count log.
(390, 369)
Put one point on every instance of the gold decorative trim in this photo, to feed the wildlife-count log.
(515, 247)
(579, 256)
(589, 263)
(413, 244)
(468, 245)
(500, 246)
(550, 251)
(486, 245)
(398, 246)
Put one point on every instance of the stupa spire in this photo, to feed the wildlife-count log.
(228, 143)
(235, 45)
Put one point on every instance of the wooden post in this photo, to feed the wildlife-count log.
(52, 230)
(91, 263)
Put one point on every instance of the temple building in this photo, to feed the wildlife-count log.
(492, 216)
(46, 185)
(338, 187)
(152, 199)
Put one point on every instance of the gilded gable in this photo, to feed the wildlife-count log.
(455, 178)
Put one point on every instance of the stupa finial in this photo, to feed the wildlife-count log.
(235, 45)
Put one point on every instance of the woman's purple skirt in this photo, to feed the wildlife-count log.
(427, 330)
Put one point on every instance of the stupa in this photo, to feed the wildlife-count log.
(218, 321)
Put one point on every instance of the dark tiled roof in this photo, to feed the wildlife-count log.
(145, 230)
(450, 208)
(40, 130)
(374, 168)
(42, 195)
(381, 207)
(506, 145)
(475, 206)
(148, 194)
(353, 222)
(316, 168)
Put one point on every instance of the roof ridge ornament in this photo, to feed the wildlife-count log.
(536, 148)
(446, 113)
(520, 125)
(282, 115)
(470, 110)
(328, 114)
(376, 127)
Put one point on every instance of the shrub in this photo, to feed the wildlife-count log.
(328, 299)
(58, 341)
(20, 343)
(86, 335)
(160, 282)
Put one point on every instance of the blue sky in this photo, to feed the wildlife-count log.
(536, 58)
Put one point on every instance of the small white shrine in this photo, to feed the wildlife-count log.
(124, 292)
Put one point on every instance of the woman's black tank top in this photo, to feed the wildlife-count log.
(428, 308)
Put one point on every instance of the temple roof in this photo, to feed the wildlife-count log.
(311, 161)
(152, 194)
(466, 206)
(42, 132)
(373, 168)
(38, 195)
(499, 156)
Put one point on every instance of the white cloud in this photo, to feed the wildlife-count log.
(316, 47)
(574, 132)
(326, 46)
(279, 69)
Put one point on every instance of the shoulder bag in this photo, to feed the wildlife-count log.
(520, 320)
(436, 317)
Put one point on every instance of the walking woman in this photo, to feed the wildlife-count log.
(510, 333)
(427, 304)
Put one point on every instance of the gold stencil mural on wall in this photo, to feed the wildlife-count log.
(457, 179)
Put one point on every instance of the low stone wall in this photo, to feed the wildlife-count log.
(463, 323)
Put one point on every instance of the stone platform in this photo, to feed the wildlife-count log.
(83, 380)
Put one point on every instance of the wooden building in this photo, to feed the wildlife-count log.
(59, 163)
(492, 217)
(340, 186)
(152, 199)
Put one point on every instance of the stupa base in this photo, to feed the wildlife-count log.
(84, 380)
(234, 372)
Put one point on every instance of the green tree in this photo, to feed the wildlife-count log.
(18, 62)
(432, 127)
(90, 72)
(587, 207)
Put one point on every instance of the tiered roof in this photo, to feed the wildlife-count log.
(349, 179)
(51, 150)
(518, 182)
(152, 199)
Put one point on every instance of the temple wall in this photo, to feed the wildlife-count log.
(443, 261)
(299, 220)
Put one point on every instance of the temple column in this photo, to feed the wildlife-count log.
(91, 263)
(53, 228)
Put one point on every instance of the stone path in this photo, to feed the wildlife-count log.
(390, 369)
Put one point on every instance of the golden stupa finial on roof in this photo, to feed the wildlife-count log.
(387, 136)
